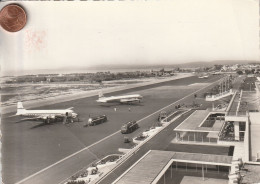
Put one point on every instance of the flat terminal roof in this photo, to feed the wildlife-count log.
(234, 106)
(146, 170)
(193, 122)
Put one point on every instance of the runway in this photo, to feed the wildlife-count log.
(41, 101)
(29, 147)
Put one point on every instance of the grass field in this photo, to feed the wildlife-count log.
(12, 93)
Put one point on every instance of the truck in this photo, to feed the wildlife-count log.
(92, 121)
(129, 127)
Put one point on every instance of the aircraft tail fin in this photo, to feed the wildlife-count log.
(20, 108)
(100, 94)
(20, 105)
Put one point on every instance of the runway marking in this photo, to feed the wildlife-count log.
(44, 169)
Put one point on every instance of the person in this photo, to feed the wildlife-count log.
(115, 109)
(129, 109)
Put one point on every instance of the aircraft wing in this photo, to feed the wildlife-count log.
(69, 108)
(120, 99)
(34, 118)
(126, 100)
(44, 117)
(108, 100)
(13, 115)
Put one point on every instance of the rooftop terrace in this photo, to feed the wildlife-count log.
(199, 121)
(234, 109)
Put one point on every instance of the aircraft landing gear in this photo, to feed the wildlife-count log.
(65, 120)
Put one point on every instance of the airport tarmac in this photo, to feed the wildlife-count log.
(43, 101)
(29, 147)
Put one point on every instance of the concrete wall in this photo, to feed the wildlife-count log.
(247, 142)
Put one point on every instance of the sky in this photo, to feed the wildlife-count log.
(84, 34)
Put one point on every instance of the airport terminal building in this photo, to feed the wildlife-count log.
(235, 125)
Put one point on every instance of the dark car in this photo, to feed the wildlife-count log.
(162, 116)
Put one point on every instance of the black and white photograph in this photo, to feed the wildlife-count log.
(130, 92)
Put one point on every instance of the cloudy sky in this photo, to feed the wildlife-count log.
(63, 34)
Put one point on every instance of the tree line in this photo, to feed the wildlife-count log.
(93, 78)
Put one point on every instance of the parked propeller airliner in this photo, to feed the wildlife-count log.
(204, 77)
(46, 115)
(119, 99)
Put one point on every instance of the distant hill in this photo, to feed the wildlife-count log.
(212, 63)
